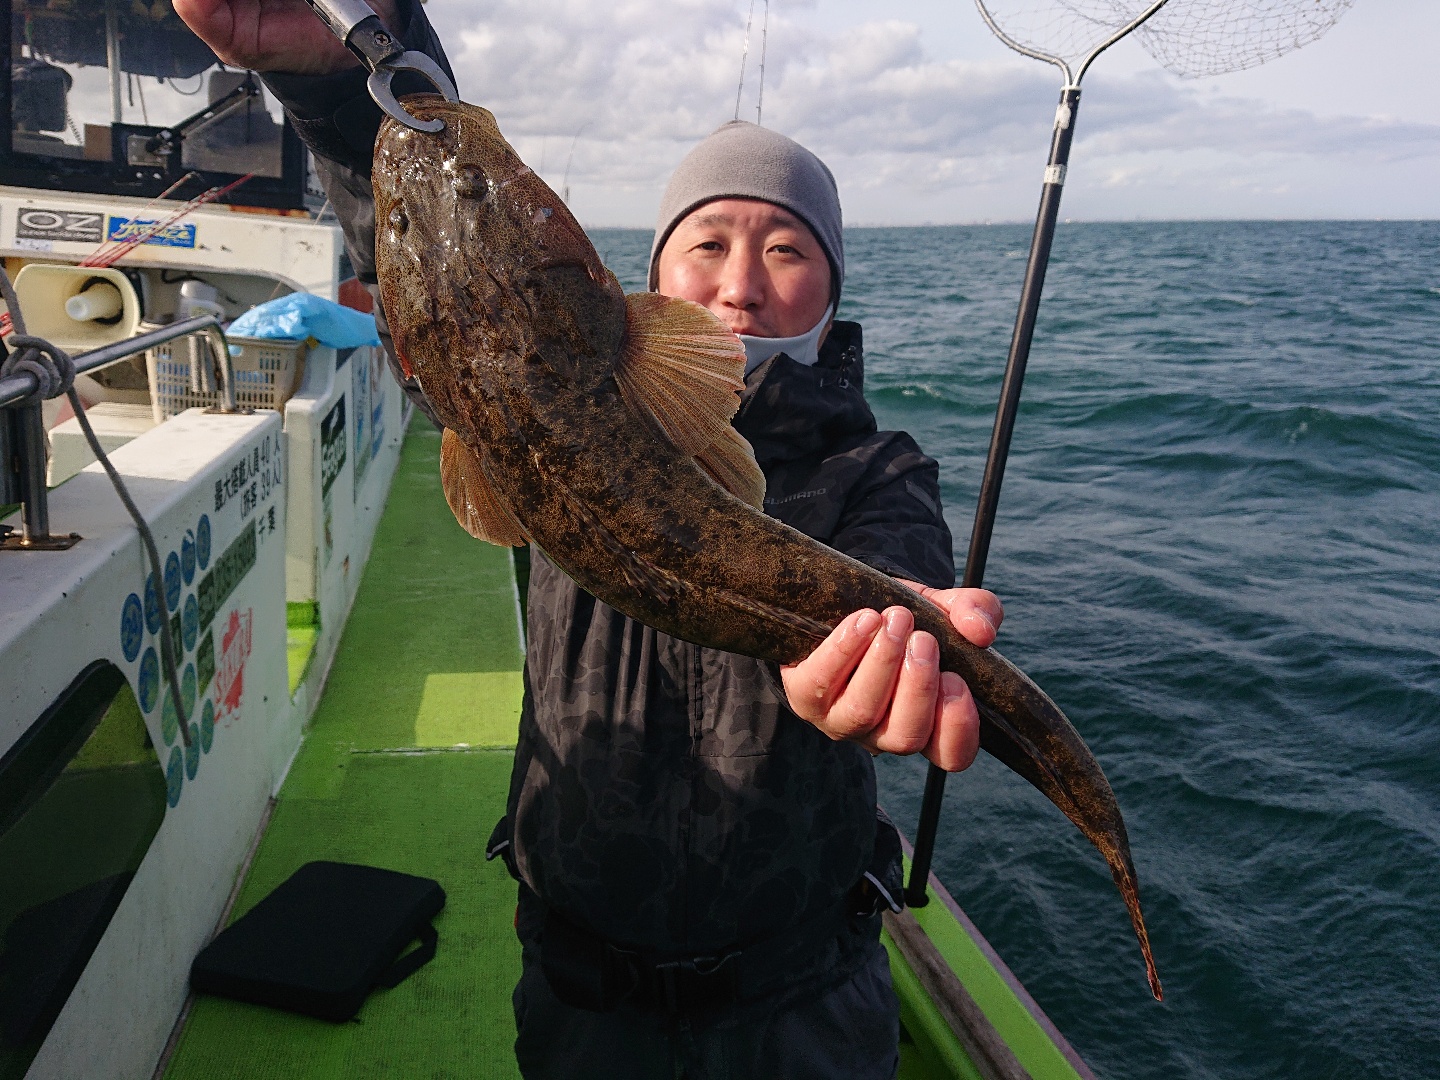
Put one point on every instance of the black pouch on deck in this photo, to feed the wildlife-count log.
(323, 940)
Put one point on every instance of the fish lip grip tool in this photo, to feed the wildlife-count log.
(355, 24)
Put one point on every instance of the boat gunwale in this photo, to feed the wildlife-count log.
(1016, 987)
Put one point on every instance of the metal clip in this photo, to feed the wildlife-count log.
(357, 25)
(418, 62)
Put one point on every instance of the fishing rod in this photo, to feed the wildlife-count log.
(1193, 38)
(1015, 362)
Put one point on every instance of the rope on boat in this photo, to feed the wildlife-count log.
(54, 370)
(115, 250)
(112, 251)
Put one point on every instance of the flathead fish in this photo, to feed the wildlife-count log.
(597, 426)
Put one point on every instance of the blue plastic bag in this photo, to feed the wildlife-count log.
(304, 315)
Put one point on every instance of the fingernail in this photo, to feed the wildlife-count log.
(868, 622)
(923, 650)
(897, 626)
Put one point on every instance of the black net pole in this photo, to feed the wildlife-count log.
(1054, 186)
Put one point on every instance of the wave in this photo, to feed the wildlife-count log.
(1216, 545)
(1181, 418)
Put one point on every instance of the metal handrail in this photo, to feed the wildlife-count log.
(23, 384)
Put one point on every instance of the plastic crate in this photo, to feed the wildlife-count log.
(267, 373)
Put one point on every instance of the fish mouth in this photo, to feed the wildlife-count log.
(593, 268)
(559, 261)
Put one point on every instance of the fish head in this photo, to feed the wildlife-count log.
(474, 249)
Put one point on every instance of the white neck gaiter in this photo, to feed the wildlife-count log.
(804, 349)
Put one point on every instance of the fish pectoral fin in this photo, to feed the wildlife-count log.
(730, 462)
(477, 508)
(681, 370)
(680, 367)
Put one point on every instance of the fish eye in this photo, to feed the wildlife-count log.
(398, 221)
(471, 182)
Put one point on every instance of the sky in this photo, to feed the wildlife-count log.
(925, 117)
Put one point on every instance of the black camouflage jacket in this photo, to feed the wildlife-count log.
(664, 795)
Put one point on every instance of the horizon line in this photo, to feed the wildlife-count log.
(977, 223)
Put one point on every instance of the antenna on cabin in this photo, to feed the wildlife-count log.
(1190, 37)
(744, 55)
(764, 40)
(565, 183)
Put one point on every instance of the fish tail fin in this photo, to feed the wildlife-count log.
(681, 370)
(477, 508)
(1036, 740)
(1129, 892)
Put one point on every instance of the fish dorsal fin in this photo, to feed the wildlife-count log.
(479, 510)
(681, 368)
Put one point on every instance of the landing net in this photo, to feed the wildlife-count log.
(1193, 38)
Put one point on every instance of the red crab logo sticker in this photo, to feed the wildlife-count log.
(230, 672)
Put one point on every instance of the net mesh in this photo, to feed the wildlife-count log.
(1193, 38)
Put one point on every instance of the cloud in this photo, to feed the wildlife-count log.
(618, 92)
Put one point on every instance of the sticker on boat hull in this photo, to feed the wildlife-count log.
(149, 680)
(174, 777)
(132, 628)
(217, 585)
(69, 226)
(187, 556)
(176, 235)
(230, 671)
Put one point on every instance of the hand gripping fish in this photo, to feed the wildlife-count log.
(597, 426)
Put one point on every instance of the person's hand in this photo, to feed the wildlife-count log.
(877, 680)
(272, 35)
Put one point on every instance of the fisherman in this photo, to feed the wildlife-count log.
(701, 872)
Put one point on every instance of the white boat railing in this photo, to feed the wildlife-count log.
(28, 430)
(22, 385)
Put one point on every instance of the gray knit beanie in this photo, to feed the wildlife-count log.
(741, 160)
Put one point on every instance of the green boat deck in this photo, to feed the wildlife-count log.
(405, 766)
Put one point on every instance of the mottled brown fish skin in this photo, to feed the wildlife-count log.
(513, 326)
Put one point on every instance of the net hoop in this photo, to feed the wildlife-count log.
(1192, 38)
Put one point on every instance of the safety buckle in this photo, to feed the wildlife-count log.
(698, 982)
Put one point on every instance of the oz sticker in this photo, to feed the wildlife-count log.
(72, 226)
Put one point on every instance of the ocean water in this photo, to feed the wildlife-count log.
(1219, 549)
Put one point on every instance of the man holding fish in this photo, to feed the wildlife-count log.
(701, 873)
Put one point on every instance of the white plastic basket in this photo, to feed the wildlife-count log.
(267, 373)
